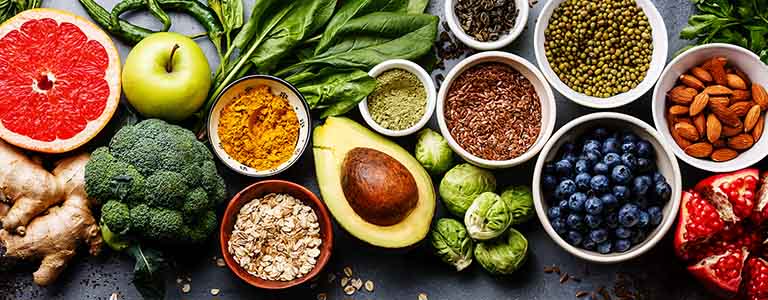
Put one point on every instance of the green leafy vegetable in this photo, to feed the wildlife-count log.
(147, 272)
(336, 91)
(417, 6)
(503, 255)
(739, 22)
(352, 9)
(520, 203)
(230, 13)
(433, 152)
(487, 217)
(158, 12)
(9, 8)
(462, 184)
(451, 243)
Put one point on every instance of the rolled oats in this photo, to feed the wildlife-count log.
(276, 237)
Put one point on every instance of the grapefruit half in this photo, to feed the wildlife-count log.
(59, 80)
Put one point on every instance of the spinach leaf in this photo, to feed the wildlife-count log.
(355, 8)
(376, 37)
(336, 90)
(417, 6)
(230, 13)
(147, 272)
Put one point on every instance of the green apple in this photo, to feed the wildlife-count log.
(166, 76)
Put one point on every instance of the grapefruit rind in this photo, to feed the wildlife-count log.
(112, 76)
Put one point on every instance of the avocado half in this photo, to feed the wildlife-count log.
(374, 188)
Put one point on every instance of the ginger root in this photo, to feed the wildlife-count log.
(52, 232)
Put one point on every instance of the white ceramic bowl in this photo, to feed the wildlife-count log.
(658, 59)
(426, 81)
(665, 163)
(527, 69)
(280, 88)
(744, 60)
(503, 41)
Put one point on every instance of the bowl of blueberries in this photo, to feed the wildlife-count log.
(605, 188)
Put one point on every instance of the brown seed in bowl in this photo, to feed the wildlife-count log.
(699, 104)
(741, 108)
(718, 90)
(716, 67)
(699, 150)
(757, 132)
(701, 74)
(700, 122)
(725, 115)
(714, 128)
(729, 131)
(760, 95)
(723, 154)
(678, 109)
(691, 81)
(741, 142)
(750, 120)
(724, 101)
(741, 95)
(682, 94)
(736, 82)
(687, 131)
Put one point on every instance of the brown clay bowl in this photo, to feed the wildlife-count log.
(261, 189)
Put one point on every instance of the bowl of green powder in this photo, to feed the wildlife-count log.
(403, 100)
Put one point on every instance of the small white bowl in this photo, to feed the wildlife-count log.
(280, 88)
(739, 57)
(426, 81)
(503, 41)
(527, 69)
(658, 59)
(665, 163)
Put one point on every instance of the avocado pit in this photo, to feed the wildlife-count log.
(378, 187)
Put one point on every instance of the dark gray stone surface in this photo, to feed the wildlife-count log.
(397, 274)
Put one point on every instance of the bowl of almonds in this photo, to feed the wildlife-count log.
(276, 234)
(710, 102)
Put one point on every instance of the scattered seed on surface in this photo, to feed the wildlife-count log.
(549, 270)
(179, 280)
(357, 283)
(331, 277)
(215, 292)
(369, 286)
(423, 296)
(348, 271)
(581, 294)
(186, 288)
(114, 296)
(564, 278)
(349, 290)
(344, 281)
(322, 296)
(220, 262)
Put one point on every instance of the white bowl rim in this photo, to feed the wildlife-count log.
(426, 81)
(503, 41)
(650, 242)
(651, 76)
(292, 160)
(711, 166)
(546, 128)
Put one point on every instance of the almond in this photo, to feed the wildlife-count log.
(678, 110)
(682, 94)
(743, 76)
(687, 131)
(725, 115)
(680, 141)
(718, 90)
(741, 141)
(757, 132)
(729, 131)
(750, 120)
(724, 101)
(699, 150)
(683, 120)
(723, 154)
(719, 144)
(735, 82)
(741, 108)
(700, 122)
(701, 74)
(699, 104)
(740, 95)
(716, 67)
(760, 96)
(691, 81)
(714, 128)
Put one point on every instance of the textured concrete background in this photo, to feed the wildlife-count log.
(397, 275)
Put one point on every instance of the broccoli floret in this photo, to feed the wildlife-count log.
(163, 176)
(117, 216)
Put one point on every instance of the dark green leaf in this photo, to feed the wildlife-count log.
(355, 8)
(417, 6)
(331, 85)
(147, 272)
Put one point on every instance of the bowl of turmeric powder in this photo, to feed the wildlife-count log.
(259, 126)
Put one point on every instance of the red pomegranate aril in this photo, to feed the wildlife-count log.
(721, 273)
(705, 219)
(757, 284)
(728, 267)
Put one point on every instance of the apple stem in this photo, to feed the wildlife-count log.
(169, 65)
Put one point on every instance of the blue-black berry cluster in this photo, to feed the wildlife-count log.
(604, 191)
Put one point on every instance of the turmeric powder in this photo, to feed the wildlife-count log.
(259, 129)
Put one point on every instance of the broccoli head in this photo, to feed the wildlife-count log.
(157, 182)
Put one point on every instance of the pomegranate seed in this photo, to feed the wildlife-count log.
(728, 267)
(757, 286)
(705, 221)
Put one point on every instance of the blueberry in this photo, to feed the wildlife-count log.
(629, 137)
(612, 220)
(575, 221)
(559, 226)
(593, 221)
(599, 183)
(591, 145)
(604, 247)
(574, 237)
(582, 166)
(593, 206)
(644, 149)
(642, 201)
(629, 160)
(640, 185)
(600, 168)
(657, 177)
(554, 212)
(549, 169)
(563, 205)
(549, 182)
(611, 160)
(622, 245)
(598, 235)
(644, 219)
(644, 164)
(588, 245)
(628, 147)
(663, 191)
(609, 201)
(639, 237)
(600, 133)
(611, 145)
(655, 215)
(570, 157)
(576, 202)
(563, 167)
(622, 232)
(621, 192)
(592, 156)
(565, 189)
(629, 215)
(582, 181)
(621, 174)
(567, 148)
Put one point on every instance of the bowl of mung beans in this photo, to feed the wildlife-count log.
(601, 53)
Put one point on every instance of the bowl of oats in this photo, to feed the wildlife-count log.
(276, 234)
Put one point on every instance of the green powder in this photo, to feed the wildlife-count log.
(399, 100)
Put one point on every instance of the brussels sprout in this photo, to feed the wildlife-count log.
(462, 184)
(433, 152)
(487, 217)
(452, 243)
(519, 200)
(503, 255)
